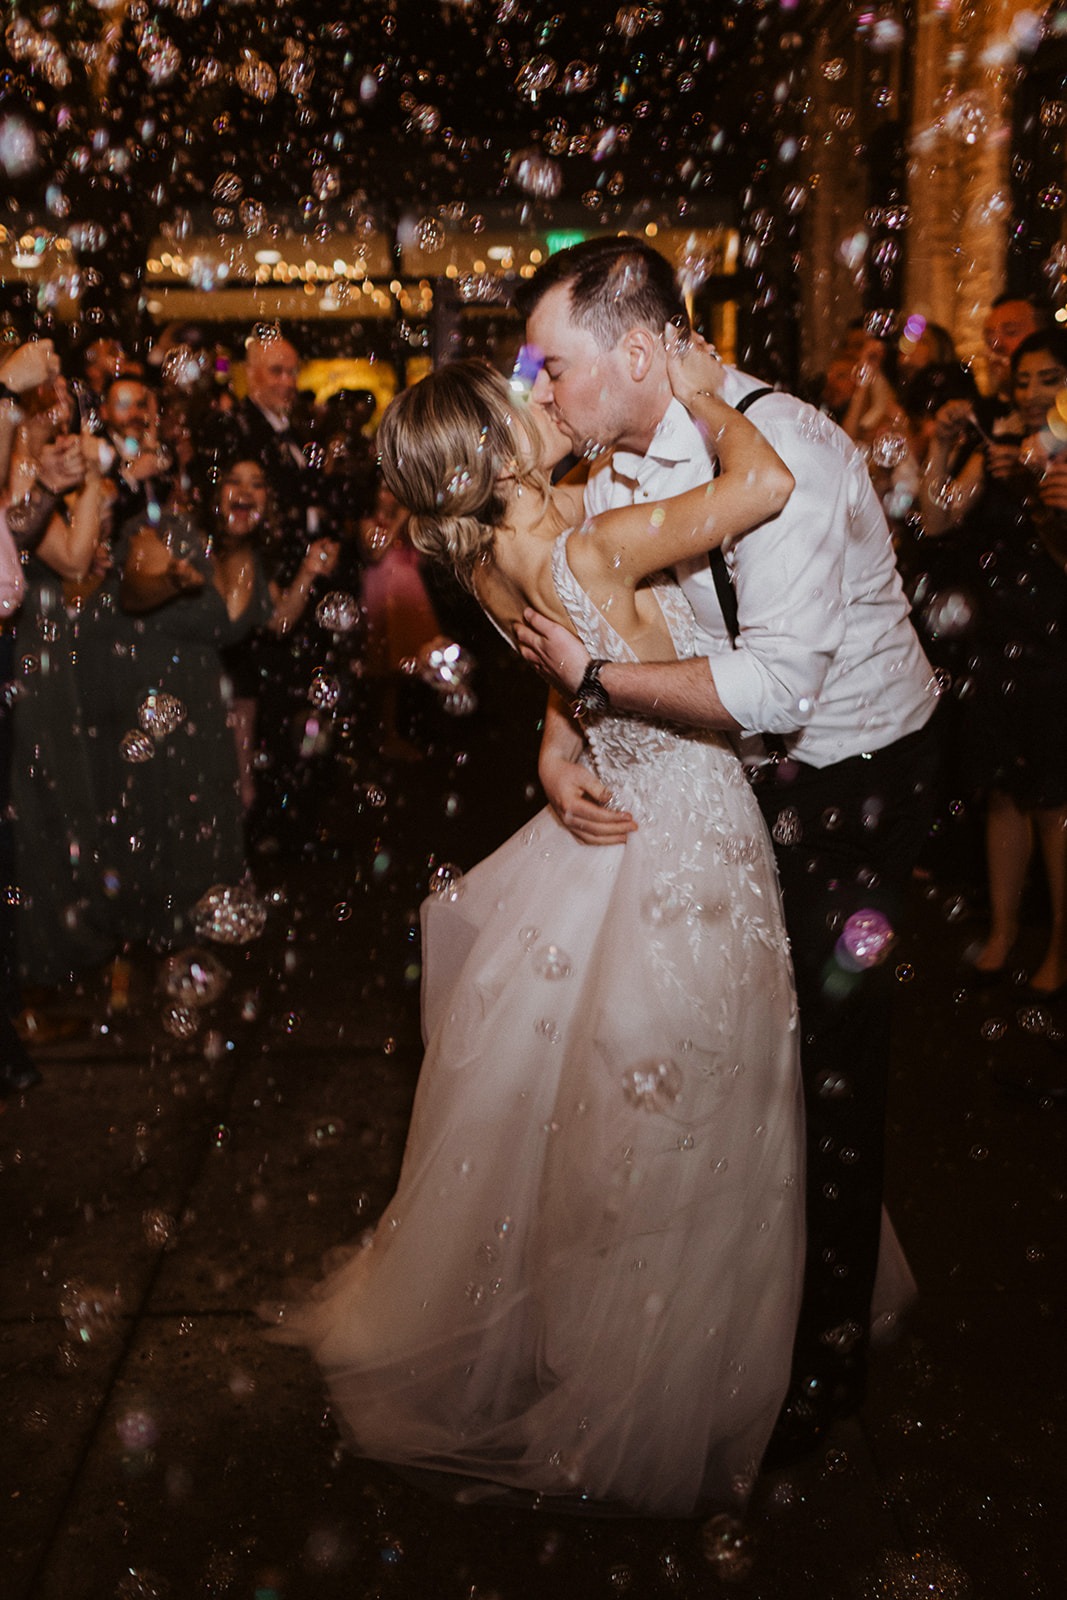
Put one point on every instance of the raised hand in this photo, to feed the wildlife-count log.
(30, 365)
(693, 366)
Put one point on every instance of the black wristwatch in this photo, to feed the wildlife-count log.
(592, 699)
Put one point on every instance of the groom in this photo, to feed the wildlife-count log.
(805, 641)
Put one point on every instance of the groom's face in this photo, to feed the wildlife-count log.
(583, 388)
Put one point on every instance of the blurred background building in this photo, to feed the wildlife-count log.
(376, 174)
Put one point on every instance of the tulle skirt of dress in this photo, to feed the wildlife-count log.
(587, 1282)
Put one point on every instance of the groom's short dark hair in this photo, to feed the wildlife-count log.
(614, 283)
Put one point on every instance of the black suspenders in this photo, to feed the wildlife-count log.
(720, 572)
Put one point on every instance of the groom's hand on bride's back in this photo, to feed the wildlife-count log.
(582, 803)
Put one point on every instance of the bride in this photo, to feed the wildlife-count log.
(586, 1284)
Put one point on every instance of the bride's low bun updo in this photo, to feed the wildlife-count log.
(450, 446)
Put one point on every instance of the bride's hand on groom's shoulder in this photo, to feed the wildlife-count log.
(693, 365)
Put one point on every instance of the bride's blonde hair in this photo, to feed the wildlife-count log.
(449, 447)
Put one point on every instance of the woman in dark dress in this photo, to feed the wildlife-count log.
(242, 533)
(181, 607)
(1014, 737)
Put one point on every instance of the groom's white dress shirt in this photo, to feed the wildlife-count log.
(827, 657)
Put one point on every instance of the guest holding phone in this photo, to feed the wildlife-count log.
(992, 488)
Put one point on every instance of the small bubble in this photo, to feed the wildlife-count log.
(993, 1028)
(551, 962)
(337, 612)
(446, 881)
(181, 1022)
(137, 1430)
(727, 1548)
(136, 747)
(324, 690)
(158, 1227)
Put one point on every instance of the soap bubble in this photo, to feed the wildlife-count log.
(552, 962)
(948, 614)
(653, 1085)
(535, 76)
(159, 714)
(445, 881)
(888, 449)
(337, 612)
(137, 1429)
(183, 367)
(18, 147)
(535, 174)
(230, 915)
(787, 827)
(865, 940)
(228, 188)
(446, 668)
(429, 235)
(160, 58)
(326, 183)
(179, 1021)
(577, 77)
(727, 1548)
(479, 288)
(255, 77)
(324, 690)
(157, 1226)
(136, 747)
(193, 978)
(253, 215)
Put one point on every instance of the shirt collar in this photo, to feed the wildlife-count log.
(675, 439)
(279, 423)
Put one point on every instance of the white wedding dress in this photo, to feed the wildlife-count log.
(587, 1282)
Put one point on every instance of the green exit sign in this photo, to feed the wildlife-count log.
(562, 241)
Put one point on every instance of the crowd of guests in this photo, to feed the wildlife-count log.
(171, 675)
(181, 595)
(975, 484)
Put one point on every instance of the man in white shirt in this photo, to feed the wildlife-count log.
(821, 656)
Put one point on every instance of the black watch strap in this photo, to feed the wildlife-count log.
(592, 699)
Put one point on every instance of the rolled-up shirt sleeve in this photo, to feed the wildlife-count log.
(790, 600)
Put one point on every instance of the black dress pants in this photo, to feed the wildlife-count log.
(846, 838)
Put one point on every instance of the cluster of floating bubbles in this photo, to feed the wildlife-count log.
(158, 715)
(230, 914)
(909, 1574)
